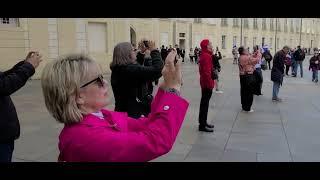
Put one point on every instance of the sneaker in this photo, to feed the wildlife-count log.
(205, 129)
(219, 92)
(276, 99)
(251, 110)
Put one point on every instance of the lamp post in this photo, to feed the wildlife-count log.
(275, 37)
(241, 33)
(300, 31)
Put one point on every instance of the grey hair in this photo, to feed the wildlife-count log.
(121, 54)
(61, 80)
(286, 47)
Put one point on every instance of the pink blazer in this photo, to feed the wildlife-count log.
(119, 138)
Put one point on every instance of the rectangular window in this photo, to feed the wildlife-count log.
(164, 39)
(271, 24)
(264, 24)
(97, 36)
(246, 23)
(9, 22)
(285, 25)
(255, 23)
(224, 22)
(234, 41)
(245, 40)
(235, 22)
(182, 34)
(298, 25)
(223, 43)
(278, 24)
(197, 20)
(291, 26)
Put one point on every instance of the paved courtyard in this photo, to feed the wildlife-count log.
(286, 131)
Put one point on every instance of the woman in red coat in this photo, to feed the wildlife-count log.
(207, 84)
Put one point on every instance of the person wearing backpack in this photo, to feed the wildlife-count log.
(299, 56)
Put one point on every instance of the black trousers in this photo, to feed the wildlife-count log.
(191, 58)
(259, 80)
(269, 62)
(6, 150)
(287, 69)
(204, 106)
(246, 93)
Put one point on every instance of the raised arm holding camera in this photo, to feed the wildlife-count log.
(11, 81)
(131, 75)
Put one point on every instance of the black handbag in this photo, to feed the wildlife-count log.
(214, 74)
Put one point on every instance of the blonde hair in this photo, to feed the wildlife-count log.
(60, 81)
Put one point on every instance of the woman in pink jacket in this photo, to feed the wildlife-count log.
(75, 94)
(247, 80)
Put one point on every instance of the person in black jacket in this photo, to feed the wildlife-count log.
(299, 56)
(129, 79)
(11, 81)
(277, 71)
(164, 53)
(217, 68)
(144, 59)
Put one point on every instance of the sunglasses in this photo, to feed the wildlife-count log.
(99, 81)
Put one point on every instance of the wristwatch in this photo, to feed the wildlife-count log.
(171, 90)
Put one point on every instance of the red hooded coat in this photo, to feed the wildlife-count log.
(205, 66)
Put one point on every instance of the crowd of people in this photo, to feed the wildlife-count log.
(142, 127)
(252, 64)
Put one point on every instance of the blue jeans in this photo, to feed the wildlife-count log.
(299, 63)
(275, 92)
(6, 150)
(294, 67)
(315, 75)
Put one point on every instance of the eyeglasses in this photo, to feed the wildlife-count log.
(99, 80)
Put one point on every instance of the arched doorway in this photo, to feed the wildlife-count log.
(133, 37)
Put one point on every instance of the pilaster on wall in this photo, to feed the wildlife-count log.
(24, 22)
(81, 36)
(53, 38)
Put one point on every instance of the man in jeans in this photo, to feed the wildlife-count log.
(11, 81)
(299, 56)
(277, 72)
